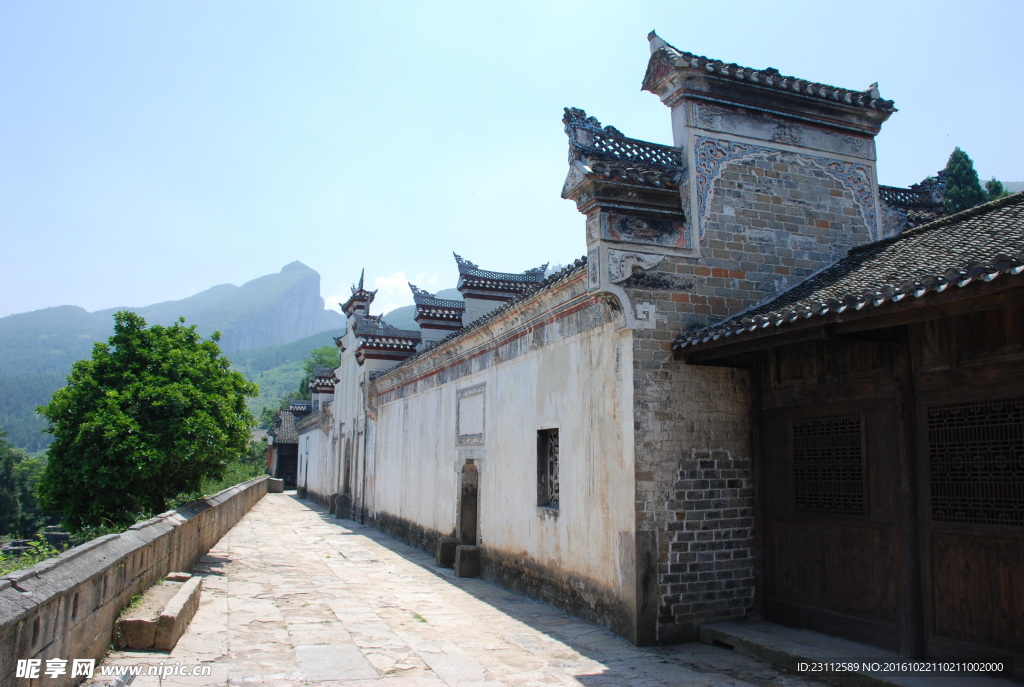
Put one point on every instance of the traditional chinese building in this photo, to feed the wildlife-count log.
(772, 388)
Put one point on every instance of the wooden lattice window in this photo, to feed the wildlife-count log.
(976, 458)
(547, 468)
(828, 464)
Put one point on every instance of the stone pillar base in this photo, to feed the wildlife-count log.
(445, 557)
(467, 561)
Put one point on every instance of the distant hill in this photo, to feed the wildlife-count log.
(38, 348)
(268, 326)
(1013, 186)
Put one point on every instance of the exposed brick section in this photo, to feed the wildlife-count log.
(682, 411)
(709, 573)
(771, 222)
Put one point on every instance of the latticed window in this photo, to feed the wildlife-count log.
(547, 468)
(976, 456)
(828, 465)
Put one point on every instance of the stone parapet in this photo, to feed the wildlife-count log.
(66, 607)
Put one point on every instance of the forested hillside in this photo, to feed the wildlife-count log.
(38, 348)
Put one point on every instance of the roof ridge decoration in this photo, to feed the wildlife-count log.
(570, 269)
(767, 78)
(462, 261)
(424, 298)
(589, 140)
(471, 269)
(997, 230)
(359, 293)
(374, 325)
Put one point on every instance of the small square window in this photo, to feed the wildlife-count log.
(547, 468)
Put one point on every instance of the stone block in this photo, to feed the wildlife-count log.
(162, 615)
(275, 486)
(445, 557)
(467, 561)
(177, 614)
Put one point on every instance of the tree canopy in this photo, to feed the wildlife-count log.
(963, 187)
(151, 414)
(20, 515)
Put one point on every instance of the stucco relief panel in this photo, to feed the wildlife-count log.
(713, 155)
(768, 127)
(470, 415)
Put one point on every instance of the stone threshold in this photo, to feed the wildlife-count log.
(788, 647)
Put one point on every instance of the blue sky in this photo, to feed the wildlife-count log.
(151, 150)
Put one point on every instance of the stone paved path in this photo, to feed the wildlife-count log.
(293, 596)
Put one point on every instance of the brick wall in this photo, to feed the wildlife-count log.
(766, 220)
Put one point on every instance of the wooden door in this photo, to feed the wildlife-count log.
(831, 551)
(972, 510)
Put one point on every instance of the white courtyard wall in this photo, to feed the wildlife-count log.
(556, 361)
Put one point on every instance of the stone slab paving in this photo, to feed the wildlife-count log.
(293, 596)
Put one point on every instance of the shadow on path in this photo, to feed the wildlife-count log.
(624, 663)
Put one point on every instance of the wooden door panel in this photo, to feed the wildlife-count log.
(978, 590)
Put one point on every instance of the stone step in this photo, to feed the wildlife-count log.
(160, 619)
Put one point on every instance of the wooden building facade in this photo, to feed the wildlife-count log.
(889, 439)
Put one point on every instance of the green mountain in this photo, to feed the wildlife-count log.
(38, 348)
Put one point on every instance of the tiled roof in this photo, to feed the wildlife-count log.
(429, 300)
(358, 294)
(374, 325)
(977, 245)
(283, 430)
(768, 78)
(605, 151)
(323, 372)
(301, 407)
(373, 332)
(471, 273)
(549, 281)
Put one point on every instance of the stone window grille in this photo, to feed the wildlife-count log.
(547, 468)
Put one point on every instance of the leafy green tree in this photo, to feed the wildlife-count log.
(154, 412)
(994, 189)
(10, 503)
(20, 515)
(28, 471)
(963, 189)
(324, 356)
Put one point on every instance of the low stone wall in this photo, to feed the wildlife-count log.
(66, 607)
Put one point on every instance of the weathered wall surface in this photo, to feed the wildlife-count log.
(319, 474)
(556, 361)
(66, 607)
(764, 202)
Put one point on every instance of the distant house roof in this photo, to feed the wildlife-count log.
(300, 407)
(569, 270)
(971, 247)
(359, 296)
(768, 78)
(323, 372)
(427, 299)
(430, 307)
(372, 327)
(283, 430)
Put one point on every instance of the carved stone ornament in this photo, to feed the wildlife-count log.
(622, 263)
(786, 134)
(594, 268)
